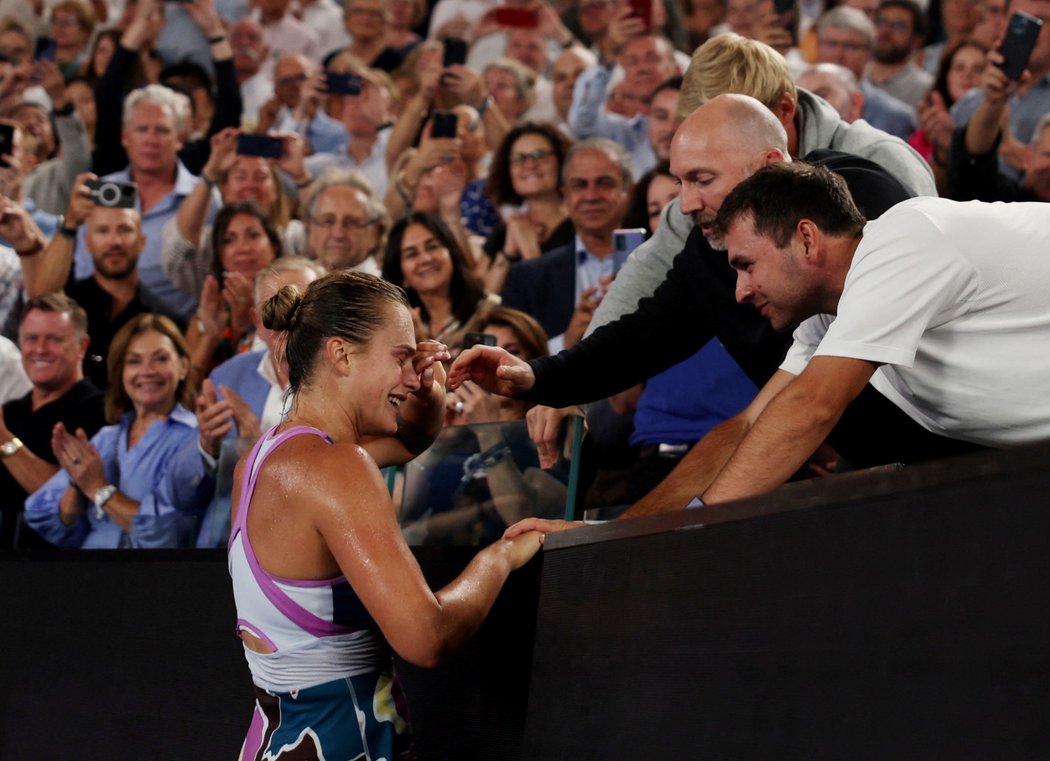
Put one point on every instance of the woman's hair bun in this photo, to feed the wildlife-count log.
(281, 311)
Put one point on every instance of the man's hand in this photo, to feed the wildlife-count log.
(543, 525)
(81, 202)
(19, 229)
(584, 313)
(493, 369)
(546, 429)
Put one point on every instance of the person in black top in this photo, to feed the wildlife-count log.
(722, 143)
(53, 339)
(112, 295)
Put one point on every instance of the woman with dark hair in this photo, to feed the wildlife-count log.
(653, 191)
(187, 251)
(324, 583)
(526, 175)
(123, 488)
(960, 71)
(423, 257)
(245, 243)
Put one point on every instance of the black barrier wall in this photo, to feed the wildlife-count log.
(909, 619)
(875, 616)
(131, 655)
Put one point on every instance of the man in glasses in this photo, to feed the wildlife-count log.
(346, 222)
(900, 28)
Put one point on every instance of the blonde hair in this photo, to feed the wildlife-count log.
(730, 63)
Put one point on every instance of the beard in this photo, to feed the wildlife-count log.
(891, 55)
(703, 219)
(116, 270)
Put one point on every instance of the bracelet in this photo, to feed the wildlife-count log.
(70, 233)
(217, 39)
(36, 248)
(568, 43)
(399, 186)
(304, 183)
(209, 183)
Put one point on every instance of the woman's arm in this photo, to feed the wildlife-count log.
(353, 514)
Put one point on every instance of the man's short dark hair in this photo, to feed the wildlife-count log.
(918, 16)
(778, 196)
(59, 303)
(672, 83)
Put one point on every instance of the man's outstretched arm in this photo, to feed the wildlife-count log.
(698, 469)
(790, 428)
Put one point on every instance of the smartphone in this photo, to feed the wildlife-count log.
(443, 124)
(45, 49)
(626, 240)
(455, 52)
(112, 194)
(342, 84)
(1022, 30)
(265, 146)
(643, 9)
(7, 142)
(523, 18)
(476, 339)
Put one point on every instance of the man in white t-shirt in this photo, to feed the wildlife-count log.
(944, 307)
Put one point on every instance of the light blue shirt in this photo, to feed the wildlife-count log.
(164, 293)
(588, 118)
(373, 167)
(152, 473)
(1025, 112)
(589, 268)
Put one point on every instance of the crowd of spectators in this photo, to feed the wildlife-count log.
(166, 167)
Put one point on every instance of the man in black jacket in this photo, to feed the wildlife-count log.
(719, 145)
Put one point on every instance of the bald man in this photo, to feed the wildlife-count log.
(719, 145)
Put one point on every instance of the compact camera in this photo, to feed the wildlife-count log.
(117, 195)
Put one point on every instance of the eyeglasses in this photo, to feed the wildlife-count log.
(347, 223)
(373, 12)
(851, 47)
(896, 25)
(538, 154)
(294, 79)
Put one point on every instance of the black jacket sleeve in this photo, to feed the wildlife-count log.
(109, 155)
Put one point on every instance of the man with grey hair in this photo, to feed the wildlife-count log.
(154, 128)
(346, 222)
(563, 287)
(846, 36)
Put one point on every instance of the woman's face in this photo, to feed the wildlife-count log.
(153, 370)
(245, 246)
(365, 19)
(533, 166)
(83, 98)
(662, 190)
(383, 374)
(507, 340)
(965, 71)
(426, 265)
(250, 179)
(103, 53)
(67, 31)
(402, 14)
(504, 90)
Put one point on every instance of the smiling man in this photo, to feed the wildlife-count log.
(53, 340)
(937, 304)
(562, 288)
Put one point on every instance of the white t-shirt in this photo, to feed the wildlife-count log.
(953, 300)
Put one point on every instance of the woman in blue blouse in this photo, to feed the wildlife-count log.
(122, 488)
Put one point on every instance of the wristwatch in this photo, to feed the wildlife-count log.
(103, 495)
(10, 447)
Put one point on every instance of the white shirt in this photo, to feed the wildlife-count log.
(953, 300)
(14, 383)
